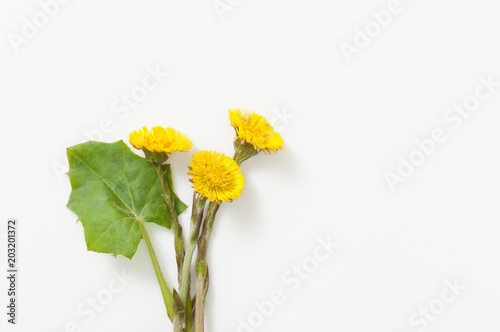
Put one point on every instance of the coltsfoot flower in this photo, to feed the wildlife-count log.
(216, 176)
(255, 130)
(158, 143)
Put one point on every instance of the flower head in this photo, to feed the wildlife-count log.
(255, 130)
(216, 176)
(158, 143)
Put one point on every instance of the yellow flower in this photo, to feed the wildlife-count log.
(255, 130)
(216, 176)
(160, 139)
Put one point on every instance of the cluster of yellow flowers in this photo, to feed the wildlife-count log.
(214, 175)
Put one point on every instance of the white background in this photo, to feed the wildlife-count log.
(347, 124)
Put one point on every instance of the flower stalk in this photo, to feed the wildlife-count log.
(202, 276)
(196, 219)
(176, 226)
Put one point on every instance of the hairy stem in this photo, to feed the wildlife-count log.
(196, 218)
(201, 273)
(202, 266)
(176, 227)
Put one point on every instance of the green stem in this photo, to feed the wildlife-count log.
(176, 227)
(202, 266)
(201, 273)
(165, 290)
(196, 218)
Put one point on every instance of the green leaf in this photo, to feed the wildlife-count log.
(113, 191)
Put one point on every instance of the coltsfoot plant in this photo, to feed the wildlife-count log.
(115, 193)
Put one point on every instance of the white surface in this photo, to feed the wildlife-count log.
(351, 122)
